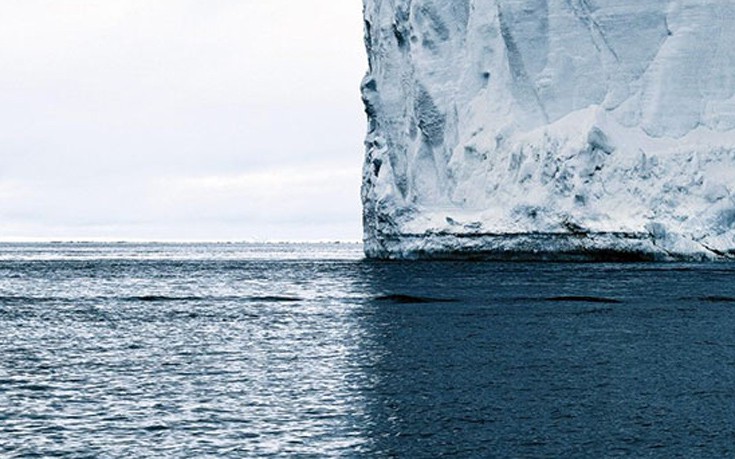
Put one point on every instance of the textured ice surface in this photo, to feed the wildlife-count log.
(550, 128)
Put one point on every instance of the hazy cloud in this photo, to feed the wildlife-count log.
(175, 119)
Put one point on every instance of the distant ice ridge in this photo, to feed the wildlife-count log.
(550, 129)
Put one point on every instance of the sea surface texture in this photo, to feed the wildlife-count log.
(237, 350)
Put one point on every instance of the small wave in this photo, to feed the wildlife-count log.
(163, 298)
(32, 299)
(583, 299)
(589, 312)
(148, 299)
(716, 299)
(155, 428)
(409, 299)
(274, 299)
(254, 299)
(35, 388)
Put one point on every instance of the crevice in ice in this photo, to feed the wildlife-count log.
(719, 253)
(518, 69)
(431, 121)
(401, 29)
(582, 11)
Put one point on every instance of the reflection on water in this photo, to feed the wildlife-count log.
(310, 350)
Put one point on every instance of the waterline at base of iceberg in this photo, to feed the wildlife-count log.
(586, 247)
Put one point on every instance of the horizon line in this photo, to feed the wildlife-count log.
(171, 241)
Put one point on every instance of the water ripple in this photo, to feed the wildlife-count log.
(235, 351)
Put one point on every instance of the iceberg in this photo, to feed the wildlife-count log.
(550, 129)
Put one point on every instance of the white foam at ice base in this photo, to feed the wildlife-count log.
(511, 117)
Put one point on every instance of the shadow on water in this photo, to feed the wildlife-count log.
(523, 361)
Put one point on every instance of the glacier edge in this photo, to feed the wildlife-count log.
(576, 130)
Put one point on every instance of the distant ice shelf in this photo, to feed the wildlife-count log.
(550, 129)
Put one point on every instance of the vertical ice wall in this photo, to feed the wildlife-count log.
(550, 128)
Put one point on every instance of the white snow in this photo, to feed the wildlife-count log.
(550, 127)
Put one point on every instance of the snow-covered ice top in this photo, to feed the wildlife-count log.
(550, 127)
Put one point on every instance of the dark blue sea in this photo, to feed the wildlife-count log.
(242, 350)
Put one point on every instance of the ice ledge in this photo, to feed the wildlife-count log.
(597, 247)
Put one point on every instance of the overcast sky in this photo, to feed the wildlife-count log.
(180, 119)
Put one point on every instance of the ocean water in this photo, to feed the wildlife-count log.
(237, 350)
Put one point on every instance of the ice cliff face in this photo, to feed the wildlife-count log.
(550, 129)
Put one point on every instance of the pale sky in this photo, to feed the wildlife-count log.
(181, 119)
